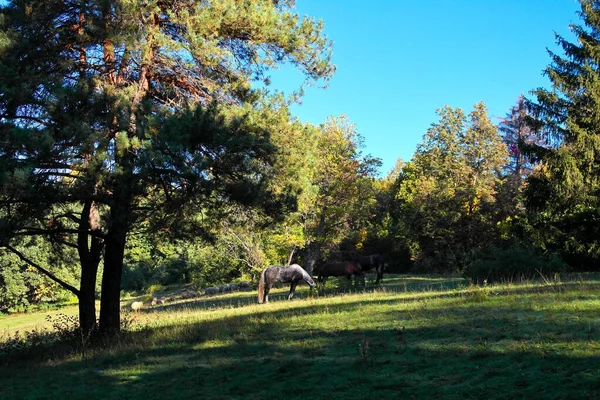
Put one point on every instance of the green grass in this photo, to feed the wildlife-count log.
(415, 337)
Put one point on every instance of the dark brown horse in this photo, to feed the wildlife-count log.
(346, 268)
(367, 263)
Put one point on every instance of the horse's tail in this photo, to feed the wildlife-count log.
(261, 287)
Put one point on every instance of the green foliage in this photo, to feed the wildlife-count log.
(22, 287)
(133, 279)
(443, 200)
(159, 132)
(14, 286)
(512, 264)
(155, 288)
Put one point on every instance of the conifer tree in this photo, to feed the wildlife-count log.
(517, 134)
(567, 185)
(120, 113)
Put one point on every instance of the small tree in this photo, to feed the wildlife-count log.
(341, 188)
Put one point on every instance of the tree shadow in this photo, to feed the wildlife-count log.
(271, 361)
(462, 347)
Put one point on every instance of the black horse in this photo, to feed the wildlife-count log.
(346, 268)
(294, 274)
(367, 263)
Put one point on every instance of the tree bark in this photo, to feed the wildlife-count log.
(87, 298)
(89, 257)
(110, 300)
(313, 253)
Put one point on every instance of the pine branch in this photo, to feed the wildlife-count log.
(27, 231)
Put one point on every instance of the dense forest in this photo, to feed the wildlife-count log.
(142, 145)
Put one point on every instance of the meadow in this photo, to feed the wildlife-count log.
(412, 337)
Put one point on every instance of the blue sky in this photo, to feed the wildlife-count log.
(399, 60)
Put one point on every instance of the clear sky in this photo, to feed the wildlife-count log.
(399, 60)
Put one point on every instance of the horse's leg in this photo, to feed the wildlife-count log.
(379, 270)
(267, 288)
(292, 289)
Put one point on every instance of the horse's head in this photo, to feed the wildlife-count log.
(356, 269)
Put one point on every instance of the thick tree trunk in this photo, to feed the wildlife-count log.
(87, 298)
(119, 222)
(110, 301)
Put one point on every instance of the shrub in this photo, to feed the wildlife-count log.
(515, 262)
(155, 288)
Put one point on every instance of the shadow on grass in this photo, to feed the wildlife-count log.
(462, 348)
(271, 361)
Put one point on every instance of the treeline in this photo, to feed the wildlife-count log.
(136, 152)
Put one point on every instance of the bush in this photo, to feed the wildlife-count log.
(155, 288)
(515, 262)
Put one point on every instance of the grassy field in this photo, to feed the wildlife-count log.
(414, 337)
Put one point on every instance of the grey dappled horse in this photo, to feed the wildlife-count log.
(294, 274)
(367, 263)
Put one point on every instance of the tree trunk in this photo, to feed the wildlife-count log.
(89, 257)
(313, 252)
(87, 298)
(110, 300)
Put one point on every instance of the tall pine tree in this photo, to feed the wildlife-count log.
(120, 113)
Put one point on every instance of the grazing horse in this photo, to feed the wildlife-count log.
(367, 263)
(346, 268)
(294, 274)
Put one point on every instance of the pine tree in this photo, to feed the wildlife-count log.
(120, 113)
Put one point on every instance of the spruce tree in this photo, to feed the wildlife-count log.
(566, 187)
